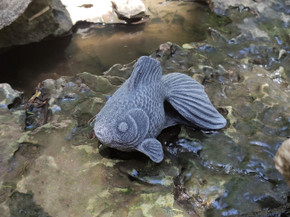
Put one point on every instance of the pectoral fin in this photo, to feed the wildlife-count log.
(152, 148)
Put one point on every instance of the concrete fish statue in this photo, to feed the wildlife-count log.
(147, 103)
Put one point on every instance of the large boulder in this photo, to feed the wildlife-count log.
(10, 11)
(23, 22)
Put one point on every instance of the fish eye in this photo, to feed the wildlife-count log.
(123, 127)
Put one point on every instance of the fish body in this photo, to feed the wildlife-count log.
(137, 112)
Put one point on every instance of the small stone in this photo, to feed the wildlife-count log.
(8, 95)
(282, 53)
(188, 46)
(279, 75)
(282, 160)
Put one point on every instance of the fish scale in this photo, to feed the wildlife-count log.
(156, 115)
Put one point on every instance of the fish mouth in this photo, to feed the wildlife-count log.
(106, 138)
(103, 135)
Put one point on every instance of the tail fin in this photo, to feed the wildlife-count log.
(188, 97)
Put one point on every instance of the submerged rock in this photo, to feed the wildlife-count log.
(11, 129)
(10, 120)
(263, 20)
(50, 166)
(257, 112)
(34, 20)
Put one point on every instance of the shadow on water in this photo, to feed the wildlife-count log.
(24, 66)
(95, 48)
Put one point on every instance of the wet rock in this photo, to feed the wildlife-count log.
(250, 27)
(9, 97)
(257, 112)
(70, 161)
(23, 205)
(256, 20)
(264, 8)
(101, 184)
(11, 129)
(33, 20)
(50, 166)
(282, 160)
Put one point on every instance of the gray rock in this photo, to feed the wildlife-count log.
(221, 7)
(23, 22)
(10, 132)
(10, 11)
(259, 12)
(69, 160)
(8, 95)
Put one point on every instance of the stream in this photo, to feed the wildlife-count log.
(52, 165)
(95, 48)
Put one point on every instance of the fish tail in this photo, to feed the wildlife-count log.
(188, 97)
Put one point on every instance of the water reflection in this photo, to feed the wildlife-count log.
(96, 48)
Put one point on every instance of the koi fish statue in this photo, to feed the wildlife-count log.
(149, 102)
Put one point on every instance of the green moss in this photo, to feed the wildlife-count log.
(125, 191)
(215, 20)
(276, 28)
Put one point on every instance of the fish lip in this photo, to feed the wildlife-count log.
(106, 138)
(110, 142)
(103, 141)
(103, 136)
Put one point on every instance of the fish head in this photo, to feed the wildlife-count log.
(123, 132)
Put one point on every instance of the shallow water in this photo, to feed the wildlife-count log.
(59, 169)
(97, 47)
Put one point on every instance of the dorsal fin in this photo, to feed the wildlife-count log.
(146, 71)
